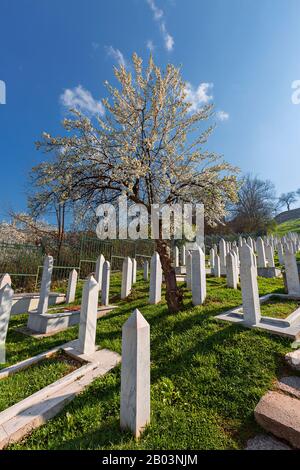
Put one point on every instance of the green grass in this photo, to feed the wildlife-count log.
(206, 376)
(19, 386)
(289, 226)
(278, 308)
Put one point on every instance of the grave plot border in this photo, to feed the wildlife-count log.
(289, 327)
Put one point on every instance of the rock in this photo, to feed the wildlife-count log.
(264, 442)
(290, 385)
(293, 359)
(280, 415)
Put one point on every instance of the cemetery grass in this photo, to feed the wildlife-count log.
(206, 376)
(278, 308)
(19, 386)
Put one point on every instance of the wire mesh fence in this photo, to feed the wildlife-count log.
(24, 263)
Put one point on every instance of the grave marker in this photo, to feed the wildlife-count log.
(135, 374)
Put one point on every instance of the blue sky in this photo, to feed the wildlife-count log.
(241, 54)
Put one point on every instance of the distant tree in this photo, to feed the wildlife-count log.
(256, 204)
(149, 147)
(286, 199)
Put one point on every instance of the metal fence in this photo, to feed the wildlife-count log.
(24, 263)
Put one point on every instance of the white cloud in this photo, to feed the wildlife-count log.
(157, 12)
(158, 16)
(82, 100)
(168, 39)
(150, 45)
(116, 54)
(222, 115)
(198, 96)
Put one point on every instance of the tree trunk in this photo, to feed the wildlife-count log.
(174, 295)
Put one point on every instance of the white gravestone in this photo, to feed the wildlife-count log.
(4, 280)
(45, 285)
(231, 271)
(99, 270)
(261, 256)
(269, 256)
(189, 270)
(71, 292)
(155, 279)
(105, 284)
(248, 279)
(135, 374)
(291, 272)
(126, 278)
(134, 264)
(250, 242)
(198, 277)
(217, 266)
(88, 317)
(222, 254)
(183, 256)
(280, 253)
(6, 298)
(212, 260)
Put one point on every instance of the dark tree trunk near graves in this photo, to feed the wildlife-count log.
(174, 295)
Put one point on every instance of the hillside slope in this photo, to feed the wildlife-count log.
(286, 216)
(289, 226)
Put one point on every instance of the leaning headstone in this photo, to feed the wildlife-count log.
(6, 298)
(261, 256)
(105, 284)
(217, 267)
(99, 270)
(134, 264)
(70, 297)
(135, 374)
(126, 278)
(88, 317)
(291, 272)
(146, 270)
(155, 279)
(231, 271)
(4, 280)
(248, 279)
(222, 251)
(269, 256)
(198, 277)
(45, 285)
(189, 270)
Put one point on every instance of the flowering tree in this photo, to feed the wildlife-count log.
(149, 147)
(24, 229)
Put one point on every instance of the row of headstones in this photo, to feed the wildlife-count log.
(263, 247)
(249, 285)
(129, 269)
